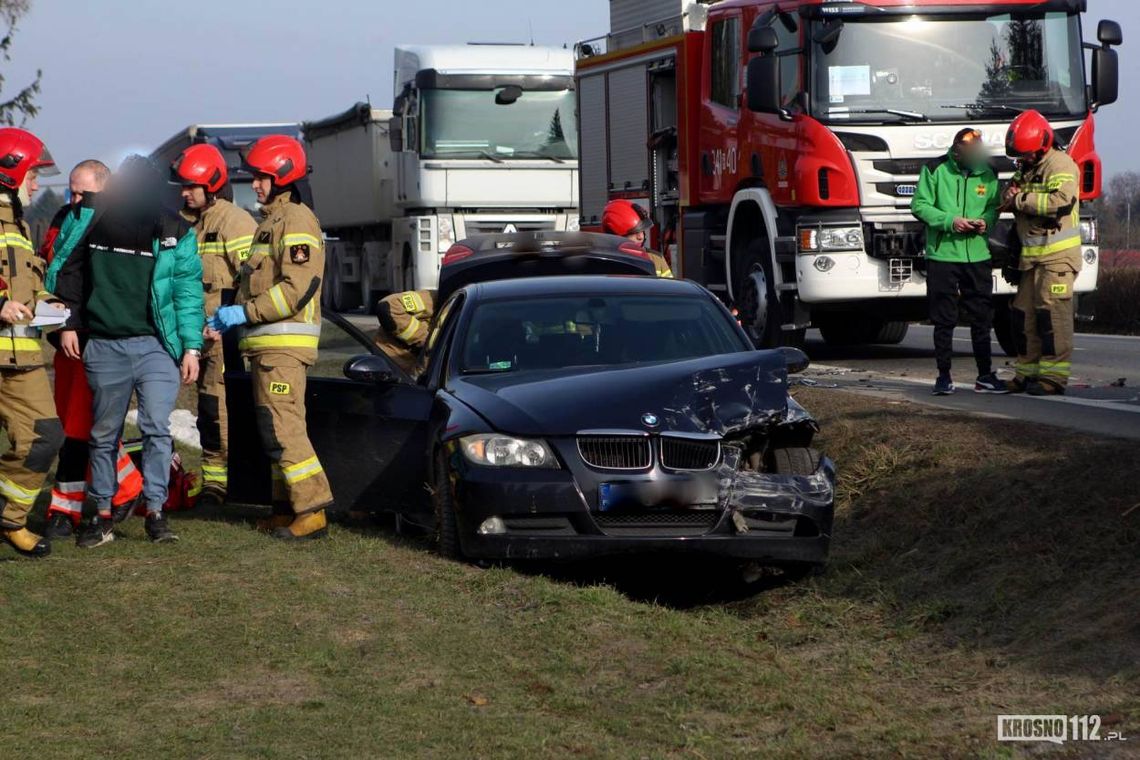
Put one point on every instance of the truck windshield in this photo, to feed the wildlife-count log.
(940, 68)
(470, 124)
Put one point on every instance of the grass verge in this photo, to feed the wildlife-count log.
(979, 567)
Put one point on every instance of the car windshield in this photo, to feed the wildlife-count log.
(580, 331)
(471, 124)
(914, 68)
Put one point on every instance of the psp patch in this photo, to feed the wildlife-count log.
(299, 253)
(1059, 289)
(280, 389)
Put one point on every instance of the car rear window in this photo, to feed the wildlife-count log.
(559, 332)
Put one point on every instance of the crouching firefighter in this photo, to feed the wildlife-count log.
(26, 406)
(225, 234)
(629, 220)
(404, 320)
(1045, 200)
(278, 307)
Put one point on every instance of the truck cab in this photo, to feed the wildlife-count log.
(481, 139)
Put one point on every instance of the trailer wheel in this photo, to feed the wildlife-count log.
(756, 301)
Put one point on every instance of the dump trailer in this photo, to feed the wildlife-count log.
(480, 139)
(231, 140)
(778, 145)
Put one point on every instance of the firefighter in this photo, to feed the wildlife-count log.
(26, 408)
(404, 319)
(1045, 199)
(225, 233)
(629, 220)
(278, 302)
(73, 397)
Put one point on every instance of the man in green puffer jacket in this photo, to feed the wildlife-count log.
(957, 198)
(135, 286)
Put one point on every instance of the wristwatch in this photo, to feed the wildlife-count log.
(193, 352)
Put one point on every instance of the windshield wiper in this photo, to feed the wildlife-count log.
(536, 154)
(979, 106)
(910, 115)
(490, 156)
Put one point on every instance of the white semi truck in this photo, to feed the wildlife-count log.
(481, 139)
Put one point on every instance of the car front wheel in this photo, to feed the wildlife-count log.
(443, 500)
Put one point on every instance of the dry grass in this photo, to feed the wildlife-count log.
(979, 567)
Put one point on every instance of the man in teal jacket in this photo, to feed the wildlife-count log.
(135, 286)
(957, 199)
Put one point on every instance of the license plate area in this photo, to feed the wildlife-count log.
(657, 496)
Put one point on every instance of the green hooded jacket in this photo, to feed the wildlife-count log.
(945, 192)
(176, 296)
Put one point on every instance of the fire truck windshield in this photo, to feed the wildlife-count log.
(482, 124)
(947, 68)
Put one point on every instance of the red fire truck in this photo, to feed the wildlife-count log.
(777, 143)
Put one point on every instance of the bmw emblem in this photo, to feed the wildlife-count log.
(650, 419)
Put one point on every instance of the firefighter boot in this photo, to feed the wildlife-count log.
(26, 543)
(306, 527)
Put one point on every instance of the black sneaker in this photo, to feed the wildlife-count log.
(95, 532)
(943, 386)
(59, 526)
(157, 530)
(123, 511)
(990, 384)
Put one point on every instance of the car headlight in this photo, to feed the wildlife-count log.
(494, 450)
(446, 233)
(812, 239)
(1090, 232)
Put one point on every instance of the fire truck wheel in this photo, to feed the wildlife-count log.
(1003, 326)
(892, 333)
(756, 300)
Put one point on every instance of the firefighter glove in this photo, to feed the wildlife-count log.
(227, 317)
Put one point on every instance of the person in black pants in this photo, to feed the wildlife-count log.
(957, 198)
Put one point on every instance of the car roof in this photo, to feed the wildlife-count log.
(538, 255)
(599, 284)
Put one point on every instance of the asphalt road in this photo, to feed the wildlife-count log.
(1095, 403)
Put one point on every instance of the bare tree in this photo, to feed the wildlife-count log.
(19, 107)
(1123, 191)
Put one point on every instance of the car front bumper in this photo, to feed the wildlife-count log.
(545, 515)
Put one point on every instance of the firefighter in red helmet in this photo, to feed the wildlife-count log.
(1045, 200)
(26, 406)
(225, 234)
(278, 303)
(629, 220)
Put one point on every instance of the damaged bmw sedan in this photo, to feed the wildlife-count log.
(581, 416)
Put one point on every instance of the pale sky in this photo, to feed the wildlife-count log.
(121, 76)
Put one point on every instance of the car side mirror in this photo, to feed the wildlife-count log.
(795, 359)
(369, 368)
(1105, 76)
(762, 79)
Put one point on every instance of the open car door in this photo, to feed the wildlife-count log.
(370, 434)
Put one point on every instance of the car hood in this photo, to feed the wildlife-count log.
(713, 394)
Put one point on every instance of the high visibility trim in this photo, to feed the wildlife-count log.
(21, 331)
(1033, 251)
(16, 240)
(194, 490)
(214, 474)
(245, 241)
(278, 341)
(261, 248)
(665, 273)
(277, 295)
(302, 470)
(17, 494)
(283, 328)
(1041, 240)
(132, 447)
(408, 332)
(18, 344)
(300, 238)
